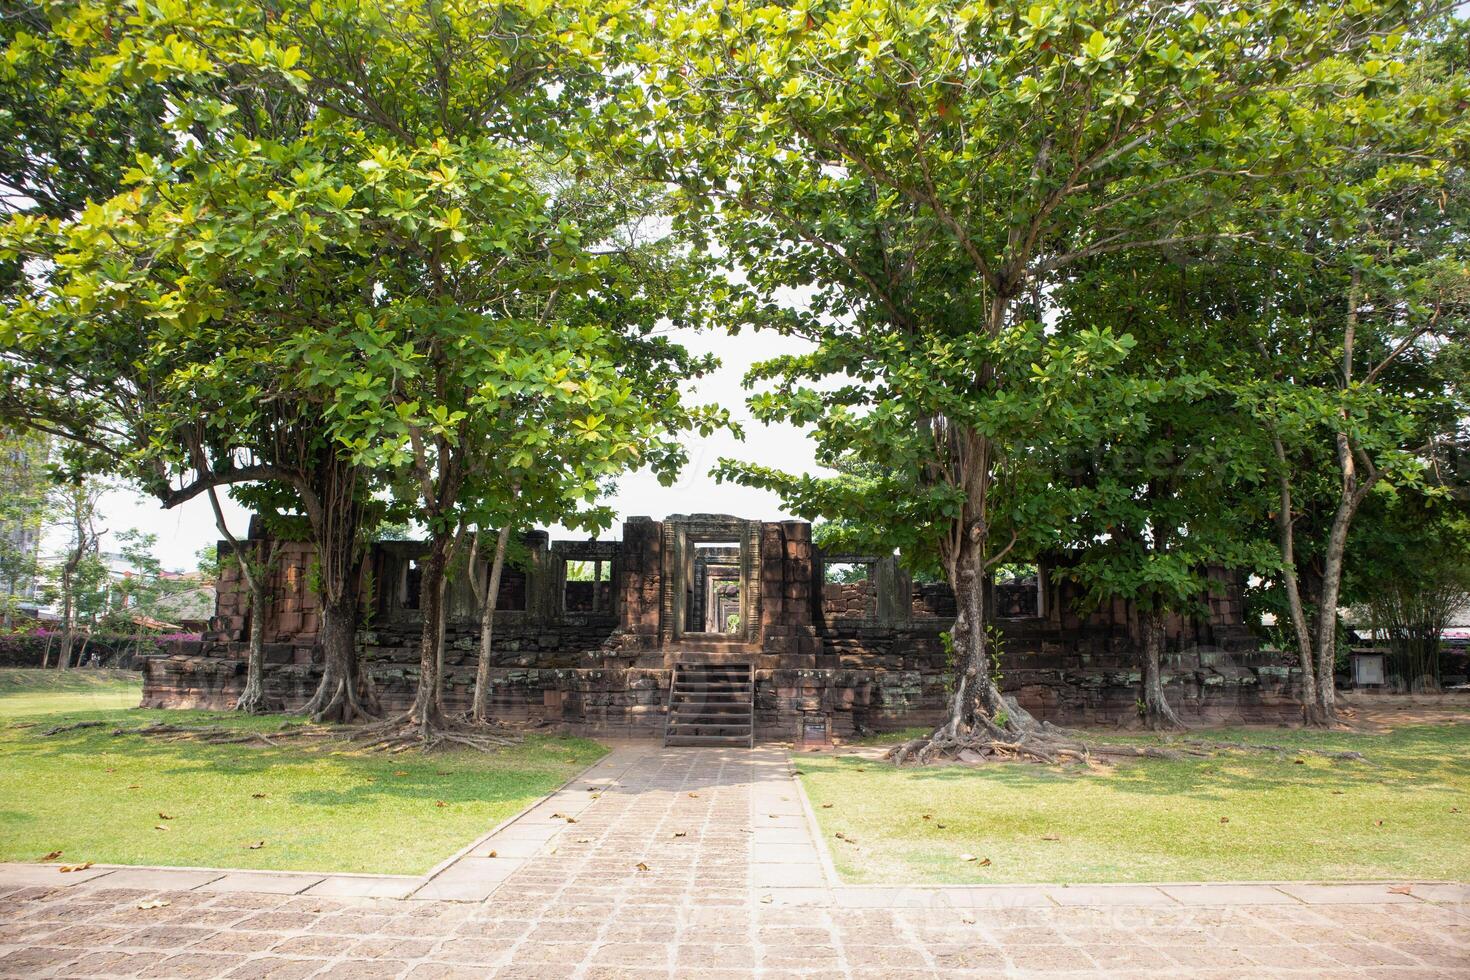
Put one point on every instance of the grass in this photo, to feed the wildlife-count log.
(1403, 815)
(96, 797)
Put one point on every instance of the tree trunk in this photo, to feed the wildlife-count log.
(1350, 495)
(1286, 542)
(977, 706)
(426, 712)
(1157, 714)
(1326, 651)
(68, 628)
(252, 699)
(345, 693)
(480, 710)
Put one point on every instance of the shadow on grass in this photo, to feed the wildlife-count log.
(1423, 757)
(461, 776)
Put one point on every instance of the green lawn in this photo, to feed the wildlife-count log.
(1238, 816)
(96, 797)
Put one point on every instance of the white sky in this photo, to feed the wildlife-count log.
(183, 531)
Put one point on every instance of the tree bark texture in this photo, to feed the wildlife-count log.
(345, 693)
(480, 710)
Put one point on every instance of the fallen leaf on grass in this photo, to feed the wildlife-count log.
(928, 816)
(52, 856)
(1050, 837)
(157, 903)
(841, 836)
(979, 862)
(68, 868)
(440, 803)
(1454, 809)
(1378, 823)
(1401, 890)
(134, 786)
(257, 796)
(109, 770)
(642, 867)
(1224, 819)
(442, 772)
(940, 826)
(256, 846)
(1299, 762)
(826, 806)
(400, 772)
(159, 826)
(1337, 792)
(164, 816)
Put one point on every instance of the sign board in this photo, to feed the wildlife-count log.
(816, 729)
(1367, 670)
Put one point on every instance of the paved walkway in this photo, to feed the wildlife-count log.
(698, 862)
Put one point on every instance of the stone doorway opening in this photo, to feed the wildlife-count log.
(713, 595)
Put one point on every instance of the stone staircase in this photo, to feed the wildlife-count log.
(711, 704)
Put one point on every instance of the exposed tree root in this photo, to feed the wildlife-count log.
(255, 702)
(72, 727)
(404, 732)
(398, 734)
(1045, 743)
(1278, 749)
(211, 734)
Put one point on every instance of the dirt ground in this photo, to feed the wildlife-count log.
(1386, 711)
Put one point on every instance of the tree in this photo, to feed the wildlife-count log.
(1170, 489)
(80, 576)
(495, 279)
(60, 148)
(161, 330)
(1407, 569)
(1359, 382)
(932, 170)
(255, 568)
(26, 508)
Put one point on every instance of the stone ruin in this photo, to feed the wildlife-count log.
(587, 634)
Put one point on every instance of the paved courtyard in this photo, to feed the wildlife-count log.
(698, 862)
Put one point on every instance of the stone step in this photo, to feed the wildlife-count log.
(711, 704)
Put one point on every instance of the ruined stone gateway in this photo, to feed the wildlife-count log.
(589, 636)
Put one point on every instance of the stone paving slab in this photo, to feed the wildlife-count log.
(1228, 894)
(363, 886)
(1102, 895)
(276, 883)
(671, 872)
(49, 875)
(1346, 894)
(161, 878)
